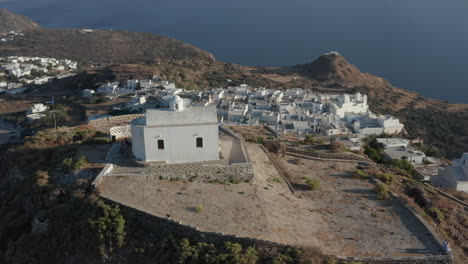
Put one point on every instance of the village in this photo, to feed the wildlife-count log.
(279, 163)
(344, 118)
(19, 74)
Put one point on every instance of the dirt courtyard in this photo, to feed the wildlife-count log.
(342, 218)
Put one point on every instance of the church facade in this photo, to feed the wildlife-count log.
(179, 134)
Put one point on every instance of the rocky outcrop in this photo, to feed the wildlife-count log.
(13, 22)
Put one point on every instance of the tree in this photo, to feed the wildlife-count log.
(108, 225)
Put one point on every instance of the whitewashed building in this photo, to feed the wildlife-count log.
(179, 134)
(37, 108)
(454, 176)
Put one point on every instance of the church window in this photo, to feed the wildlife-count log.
(160, 144)
(177, 106)
(199, 142)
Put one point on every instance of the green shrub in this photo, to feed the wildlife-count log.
(437, 214)
(198, 209)
(108, 225)
(98, 140)
(80, 163)
(382, 191)
(360, 174)
(277, 180)
(313, 184)
(386, 178)
(69, 164)
(259, 140)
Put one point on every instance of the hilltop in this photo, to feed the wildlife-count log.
(13, 22)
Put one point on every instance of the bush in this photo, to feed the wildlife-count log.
(360, 174)
(382, 191)
(386, 177)
(109, 227)
(437, 214)
(259, 140)
(81, 162)
(313, 184)
(337, 147)
(98, 140)
(198, 209)
(70, 164)
(277, 180)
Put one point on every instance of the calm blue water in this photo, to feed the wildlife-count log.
(419, 45)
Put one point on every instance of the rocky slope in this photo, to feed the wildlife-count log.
(13, 22)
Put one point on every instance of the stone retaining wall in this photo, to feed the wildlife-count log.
(234, 173)
(334, 156)
(115, 119)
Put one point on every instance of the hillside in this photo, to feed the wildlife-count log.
(13, 22)
(99, 46)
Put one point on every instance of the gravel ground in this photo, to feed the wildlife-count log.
(357, 223)
(343, 218)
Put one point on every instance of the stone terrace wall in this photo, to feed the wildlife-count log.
(115, 119)
(334, 156)
(234, 173)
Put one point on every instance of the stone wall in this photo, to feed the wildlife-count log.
(121, 131)
(239, 139)
(330, 156)
(104, 172)
(234, 173)
(115, 119)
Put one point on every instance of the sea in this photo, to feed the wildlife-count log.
(418, 45)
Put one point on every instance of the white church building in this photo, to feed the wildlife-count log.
(179, 134)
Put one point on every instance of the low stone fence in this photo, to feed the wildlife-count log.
(236, 137)
(104, 172)
(121, 131)
(200, 172)
(329, 156)
(119, 118)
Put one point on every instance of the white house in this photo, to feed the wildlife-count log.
(346, 104)
(454, 176)
(179, 134)
(108, 88)
(397, 148)
(37, 108)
